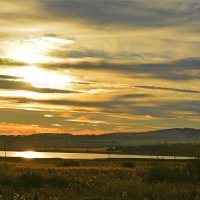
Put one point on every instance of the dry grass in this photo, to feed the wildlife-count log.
(98, 180)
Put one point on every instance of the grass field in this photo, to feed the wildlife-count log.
(55, 179)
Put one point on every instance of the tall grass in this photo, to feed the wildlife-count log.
(117, 180)
(161, 172)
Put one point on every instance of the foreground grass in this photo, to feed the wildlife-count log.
(99, 180)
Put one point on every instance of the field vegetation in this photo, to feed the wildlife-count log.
(56, 179)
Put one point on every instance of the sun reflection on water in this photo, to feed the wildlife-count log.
(28, 154)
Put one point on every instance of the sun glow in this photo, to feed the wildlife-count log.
(42, 78)
(29, 55)
(35, 50)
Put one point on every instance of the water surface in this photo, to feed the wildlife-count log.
(88, 156)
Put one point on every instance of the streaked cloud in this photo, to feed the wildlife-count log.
(169, 89)
(20, 85)
(175, 70)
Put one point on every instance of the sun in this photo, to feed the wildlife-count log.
(36, 50)
(32, 52)
(28, 54)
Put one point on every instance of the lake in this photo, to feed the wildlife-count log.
(88, 156)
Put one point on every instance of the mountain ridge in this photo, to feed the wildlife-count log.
(159, 131)
(66, 140)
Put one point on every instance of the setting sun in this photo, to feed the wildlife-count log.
(35, 50)
(28, 54)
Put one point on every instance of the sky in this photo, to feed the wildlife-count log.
(99, 66)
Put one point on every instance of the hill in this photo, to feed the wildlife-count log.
(59, 141)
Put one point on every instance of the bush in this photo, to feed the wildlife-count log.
(128, 164)
(5, 180)
(193, 170)
(161, 172)
(71, 163)
(158, 172)
(29, 179)
(57, 181)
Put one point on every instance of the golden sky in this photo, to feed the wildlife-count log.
(99, 66)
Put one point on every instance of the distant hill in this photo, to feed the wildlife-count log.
(54, 141)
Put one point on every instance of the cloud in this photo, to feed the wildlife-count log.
(185, 69)
(93, 53)
(10, 62)
(169, 89)
(134, 96)
(103, 14)
(48, 116)
(119, 105)
(24, 129)
(20, 85)
(125, 13)
(115, 104)
(26, 117)
(8, 77)
(85, 119)
(167, 109)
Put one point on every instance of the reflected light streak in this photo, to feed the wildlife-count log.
(28, 154)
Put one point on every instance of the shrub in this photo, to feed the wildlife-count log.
(71, 163)
(193, 170)
(29, 179)
(5, 180)
(57, 181)
(128, 164)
